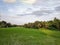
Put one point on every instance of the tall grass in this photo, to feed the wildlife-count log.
(28, 36)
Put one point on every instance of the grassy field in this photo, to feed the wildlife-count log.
(25, 36)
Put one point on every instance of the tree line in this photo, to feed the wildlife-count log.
(4, 24)
(52, 24)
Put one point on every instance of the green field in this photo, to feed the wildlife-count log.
(26, 36)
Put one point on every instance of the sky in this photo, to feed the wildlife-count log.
(25, 11)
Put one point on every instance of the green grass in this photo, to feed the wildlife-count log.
(25, 36)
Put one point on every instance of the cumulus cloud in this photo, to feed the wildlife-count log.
(25, 11)
(49, 17)
(28, 1)
(39, 13)
(57, 8)
(9, 1)
(48, 3)
(42, 12)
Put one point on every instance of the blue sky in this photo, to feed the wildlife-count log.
(24, 11)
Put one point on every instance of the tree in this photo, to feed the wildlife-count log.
(3, 24)
(8, 25)
(57, 23)
(53, 24)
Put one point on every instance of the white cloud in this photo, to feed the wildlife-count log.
(45, 8)
(47, 3)
(9, 1)
(29, 18)
(17, 10)
(28, 1)
(10, 10)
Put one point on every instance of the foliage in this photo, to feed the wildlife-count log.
(53, 24)
(4, 24)
(26, 36)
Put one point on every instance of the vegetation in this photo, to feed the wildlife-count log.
(53, 24)
(26, 36)
(4, 24)
(37, 33)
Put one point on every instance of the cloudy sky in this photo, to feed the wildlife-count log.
(24, 11)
